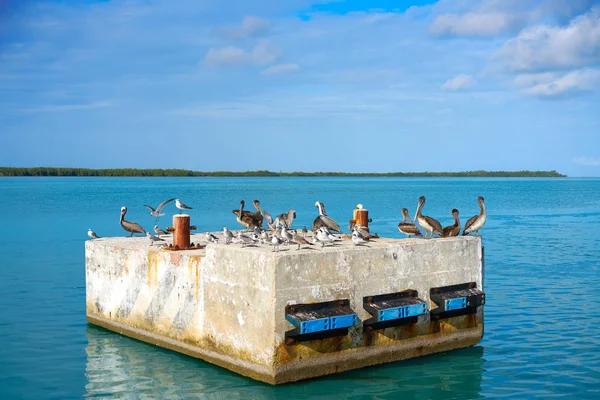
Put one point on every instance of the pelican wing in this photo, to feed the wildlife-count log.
(133, 227)
(470, 222)
(328, 223)
(450, 231)
(268, 216)
(437, 227)
(409, 229)
(164, 203)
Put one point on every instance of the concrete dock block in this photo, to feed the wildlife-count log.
(226, 304)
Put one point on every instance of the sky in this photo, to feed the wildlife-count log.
(298, 85)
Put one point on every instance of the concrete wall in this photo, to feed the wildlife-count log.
(226, 304)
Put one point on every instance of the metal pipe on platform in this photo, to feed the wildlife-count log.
(181, 231)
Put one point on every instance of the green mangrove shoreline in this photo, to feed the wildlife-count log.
(124, 172)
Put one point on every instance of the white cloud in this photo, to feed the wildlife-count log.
(555, 84)
(251, 26)
(587, 161)
(459, 82)
(263, 53)
(280, 69)
(495, 17)
(473, 24)
(554, 47)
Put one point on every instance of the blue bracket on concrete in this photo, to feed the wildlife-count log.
(319, 320)
(456, 300)
(393, 309)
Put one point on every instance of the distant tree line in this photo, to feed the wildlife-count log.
(51, 171)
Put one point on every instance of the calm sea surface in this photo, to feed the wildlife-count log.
(542, 333)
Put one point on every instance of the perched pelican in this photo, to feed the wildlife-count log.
(130, 226)
(258, 214)
(159, 231)
(247, 218)
(406, 226)
(156, 212)
(181, 206)
(324, 220)
(452, 230)
(285, 219)
(430, 225)
(92, 234)
(475, 223)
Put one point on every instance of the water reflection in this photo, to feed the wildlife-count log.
(126, 368)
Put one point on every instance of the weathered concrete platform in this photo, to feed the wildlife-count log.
(227, 305)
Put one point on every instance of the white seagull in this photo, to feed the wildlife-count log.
(156, 212)
(153, 238)
(211, 238)
(159, 231)
(92, 234)
(181, 206)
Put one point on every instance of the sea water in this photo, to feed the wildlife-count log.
(542, 317)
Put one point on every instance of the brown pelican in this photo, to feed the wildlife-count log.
(130, 226)
(258, 214)
(475, 223)
(452, 230)
(270, 221)
(247, 218)
(92, 234)
(406, 226)
(156, 213)
(430, 225)
(323, 220)
(181, 206)
(285, 219)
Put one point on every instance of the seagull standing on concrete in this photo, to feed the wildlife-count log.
(181, 206)
(153, 238)
(92, 234)
(243, 239)
(301, 240)
(211, 238)
(324, 236)
(132, 227)
(159, 231)
(286, 235)
(276, 242)
(357, 238)
(227, 235)
(156, 212)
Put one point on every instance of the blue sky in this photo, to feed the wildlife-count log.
(302, 85)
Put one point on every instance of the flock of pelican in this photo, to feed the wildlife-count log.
(323, 226)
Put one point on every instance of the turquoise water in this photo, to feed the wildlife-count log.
(542, 334)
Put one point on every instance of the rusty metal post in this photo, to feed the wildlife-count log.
(181, 234)
(361, 217)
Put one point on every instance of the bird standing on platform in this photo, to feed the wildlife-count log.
(227, 235)
(181, 206)
(132, 227)
(285, 219)
(323, 220)
(156, 212)
(247, 218)
(452, 230)
(286, 235)
(430, 225)
(475, 223)
(211, 238)
(302, 240)
(153, 238)
(159, 231)
(276, 242)
(357, 238)
(92, 234)
(406, 226)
